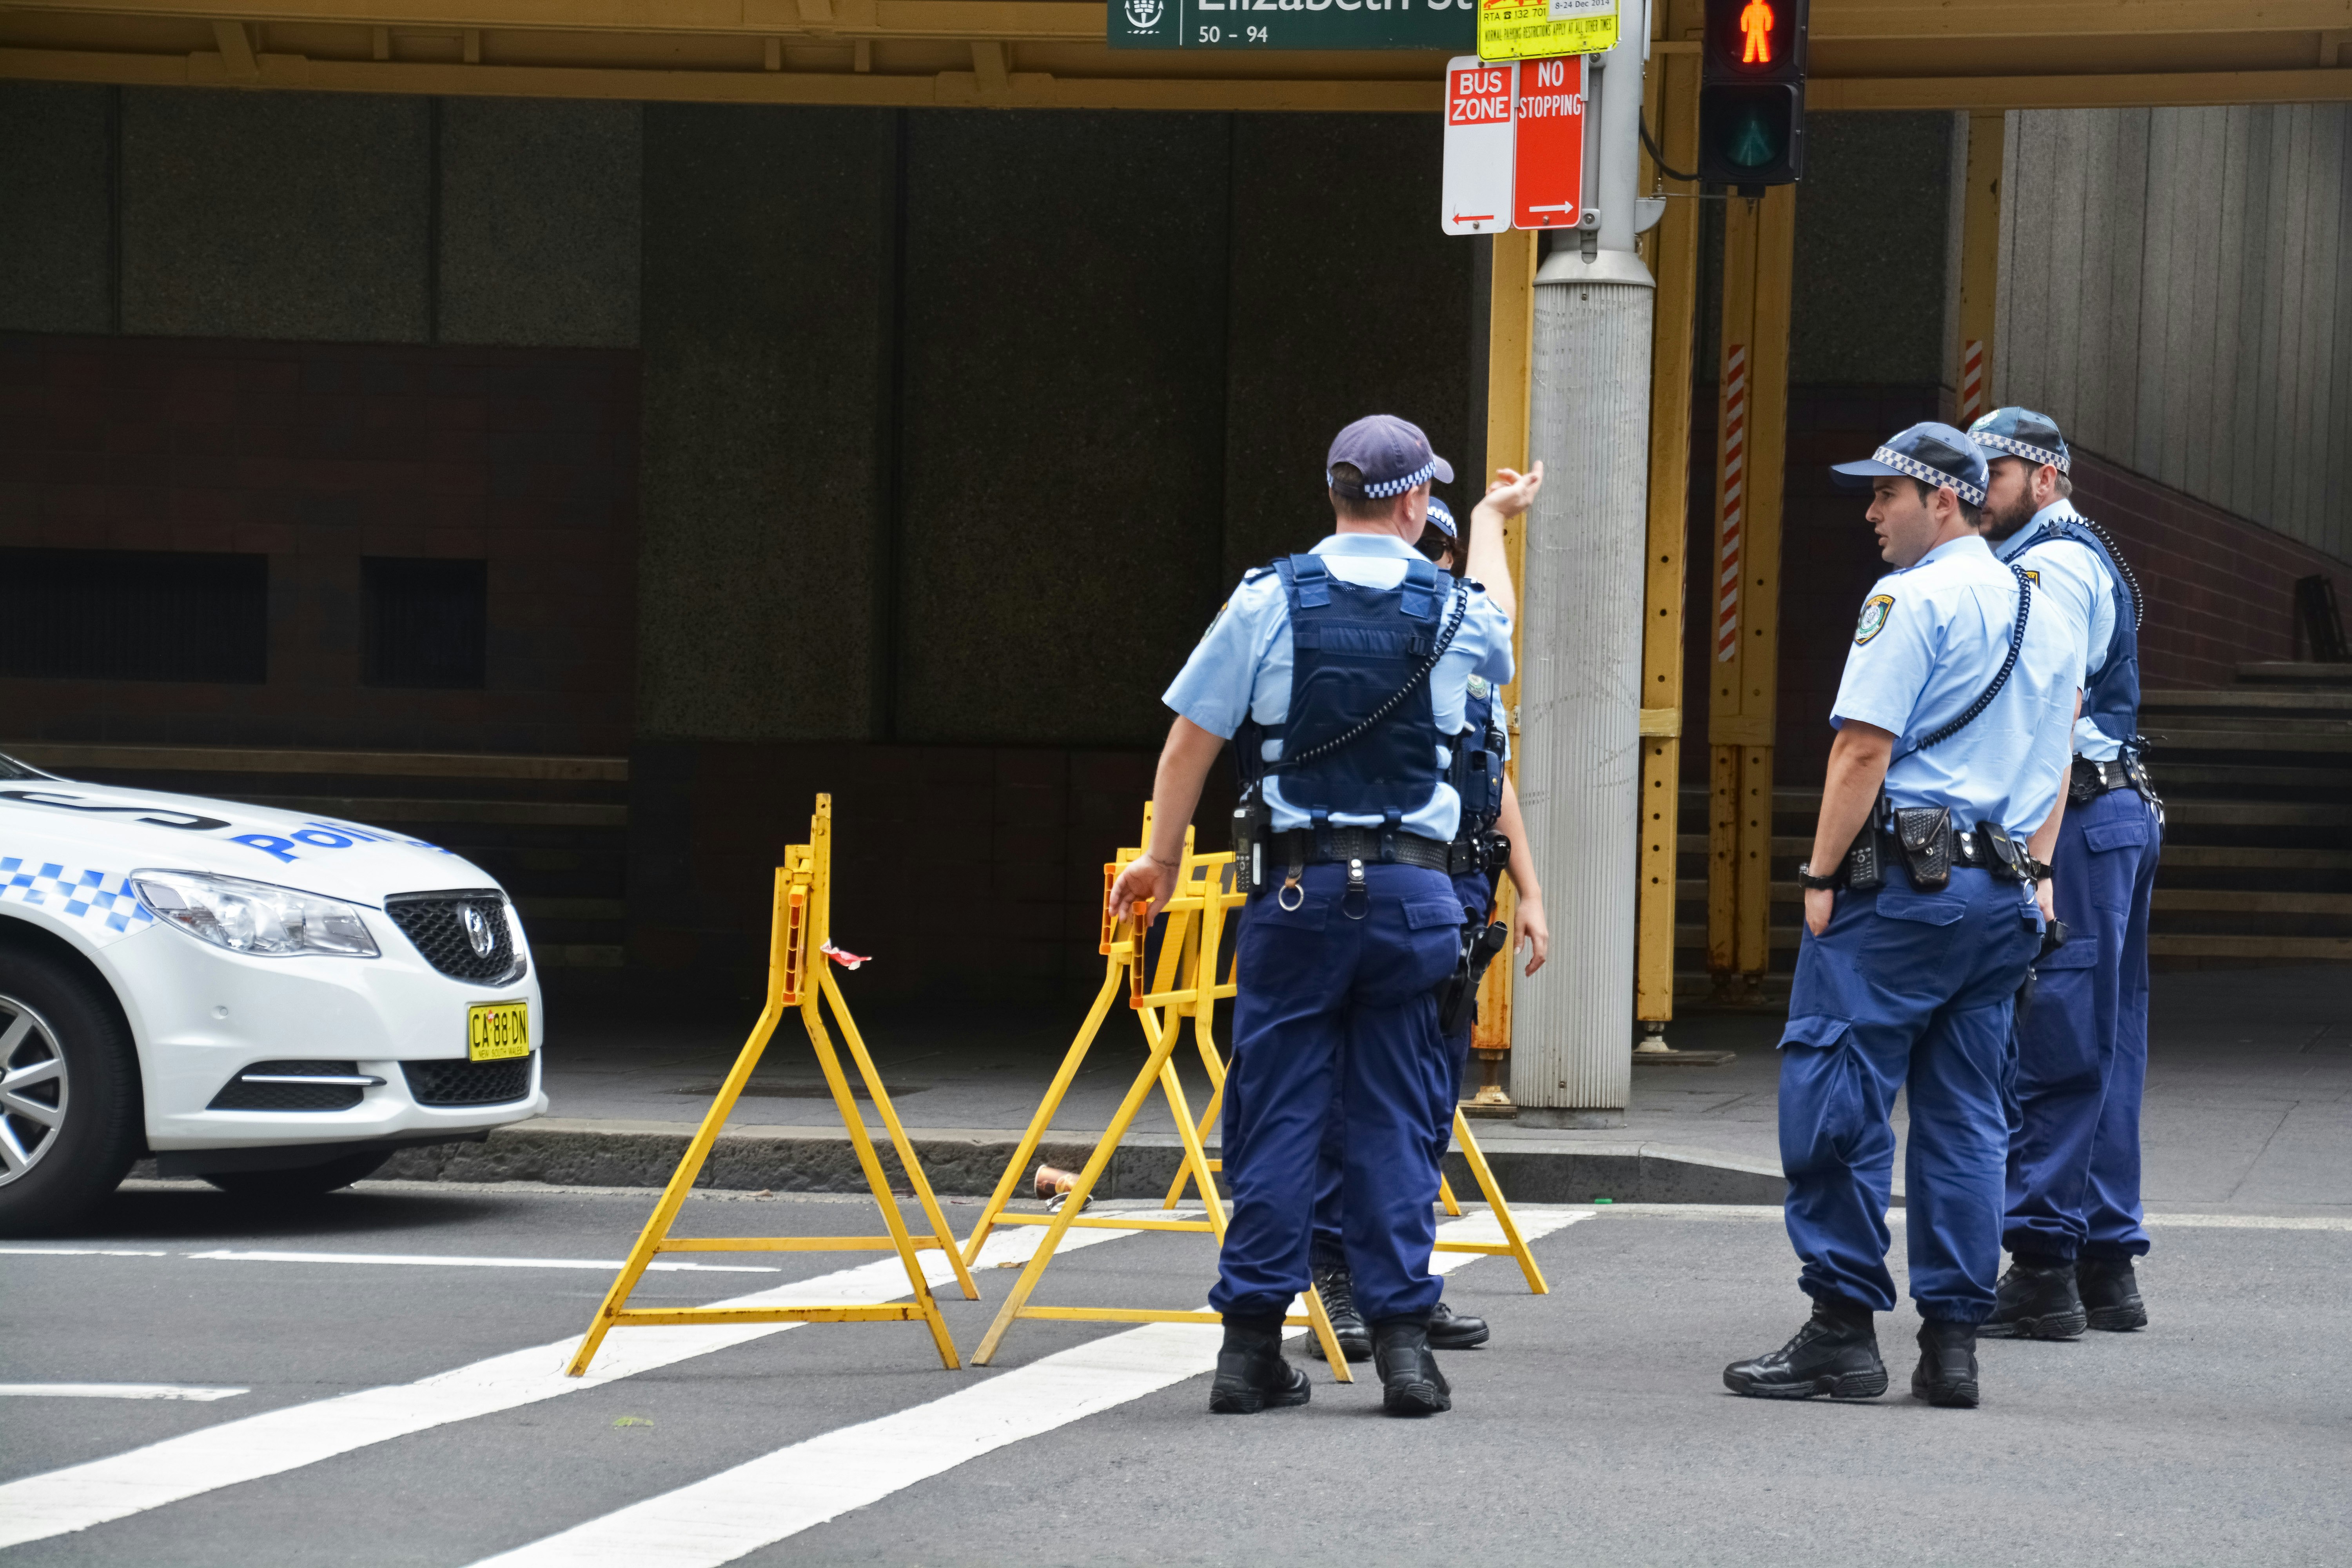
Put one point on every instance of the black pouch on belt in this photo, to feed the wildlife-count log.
(1926, 835)
(1253, 827)
(1457, 1001)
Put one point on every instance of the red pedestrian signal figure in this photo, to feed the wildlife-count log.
(1756, 22)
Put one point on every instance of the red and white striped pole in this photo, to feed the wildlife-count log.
(1735, 451)
(1972, 381)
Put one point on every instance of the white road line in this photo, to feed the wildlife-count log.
(601, 1265)
(781, 1493)
(80, 1495)
(115, 1391)
(77, 1252)
(1772, 1212)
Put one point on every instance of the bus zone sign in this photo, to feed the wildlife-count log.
(1514, 145)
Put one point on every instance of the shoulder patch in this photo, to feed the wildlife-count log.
(1480, 687)
(1874, 612)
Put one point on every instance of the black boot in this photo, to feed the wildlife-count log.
(2111, 1294)
(1411, 1383)
(1948, 1365)
(1338, 1289)
(2036, 1300)
(1451, 1330)
(1835, 1353)
(1251, 1373)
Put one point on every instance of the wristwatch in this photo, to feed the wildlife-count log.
(1805, 879)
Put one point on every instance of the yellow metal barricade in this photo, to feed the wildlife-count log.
(799, 975)
(1183, 983)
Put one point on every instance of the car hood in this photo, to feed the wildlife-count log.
(102, 827)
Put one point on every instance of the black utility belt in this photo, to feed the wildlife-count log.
(2093, 780)
(1924, 840)
(1372, 846)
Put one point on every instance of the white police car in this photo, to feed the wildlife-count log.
(273, 1002)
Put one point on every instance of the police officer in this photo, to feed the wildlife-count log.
(2074, 1225)
(1920, 924)
(1490, 823)
(1342, 673)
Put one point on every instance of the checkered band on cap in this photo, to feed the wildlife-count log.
(2025, 450)
(1386, 488)
(1904, 463)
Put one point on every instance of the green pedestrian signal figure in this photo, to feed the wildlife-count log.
(1756, 22)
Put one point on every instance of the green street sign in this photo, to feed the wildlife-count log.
(1451, 26)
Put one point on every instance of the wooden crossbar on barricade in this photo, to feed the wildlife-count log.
(1183, 984)
(801, 927)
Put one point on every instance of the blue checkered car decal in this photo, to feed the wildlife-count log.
(102, 901)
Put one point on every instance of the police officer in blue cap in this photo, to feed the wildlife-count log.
(1342, 675)
(1921, 922)
(1491, 837)
(2074, 1226)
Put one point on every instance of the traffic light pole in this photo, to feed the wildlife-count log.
(1581, 676)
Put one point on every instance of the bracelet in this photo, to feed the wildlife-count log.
(1805, 879)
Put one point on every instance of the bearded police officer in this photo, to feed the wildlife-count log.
(1490, 836)
(1342, 675)
(1920, 924)
(2074, 1225)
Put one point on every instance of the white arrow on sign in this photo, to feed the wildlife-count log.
(1480, 137)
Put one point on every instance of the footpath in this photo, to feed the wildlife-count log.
(2249, 1103)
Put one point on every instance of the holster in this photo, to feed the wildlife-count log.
(1457, 999)
(1925, 833)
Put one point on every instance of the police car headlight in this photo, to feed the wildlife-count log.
(253, 917)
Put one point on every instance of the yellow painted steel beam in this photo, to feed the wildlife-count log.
(1980, 262)
(1024, 89)
(1673, 115)
(2137, 89)
(1832, 21)
(1510, 371)
(1072, 20)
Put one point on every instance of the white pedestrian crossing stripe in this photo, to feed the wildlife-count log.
(781, 1493)
(61, 1501)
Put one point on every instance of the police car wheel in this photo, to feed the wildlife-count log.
(304, 1181)
(70, 1100)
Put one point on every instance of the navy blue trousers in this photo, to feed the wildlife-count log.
(2081, 1047)
(1904, 990)
(1474, 891)
(1334, 1008)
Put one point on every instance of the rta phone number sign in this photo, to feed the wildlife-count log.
(1294, 24)
(1537, 29)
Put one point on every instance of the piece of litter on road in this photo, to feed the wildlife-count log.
(634, 1421)
(845, 959)
(114, 1391)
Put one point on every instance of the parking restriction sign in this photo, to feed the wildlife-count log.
(1548, 179)
(1479, 134)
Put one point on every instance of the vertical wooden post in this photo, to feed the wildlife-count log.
(1673, 115)
(1980, 261)
(1510, 368)
(1760, 253)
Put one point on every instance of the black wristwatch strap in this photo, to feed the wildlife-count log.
(1805, 879)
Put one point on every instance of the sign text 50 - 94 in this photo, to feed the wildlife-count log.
(1293, 23)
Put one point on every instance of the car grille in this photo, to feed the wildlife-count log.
(435, 922)
(468, 1083)
(241, 1093)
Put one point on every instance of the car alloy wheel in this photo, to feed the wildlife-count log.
(34, 1089)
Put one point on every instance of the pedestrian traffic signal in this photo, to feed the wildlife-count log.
(1751, 101)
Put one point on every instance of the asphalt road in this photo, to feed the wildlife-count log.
(1593, 1429)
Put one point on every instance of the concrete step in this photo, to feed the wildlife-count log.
(367, 809)
(2263, 949)
(2251, 700)
(70, 756)
(2306, 674)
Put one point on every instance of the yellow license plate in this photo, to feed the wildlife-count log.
(498, 1030)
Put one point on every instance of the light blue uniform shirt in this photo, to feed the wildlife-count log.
(1931, 638)
(2071, 574)
(1242, 668)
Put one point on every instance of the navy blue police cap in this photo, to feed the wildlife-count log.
(1933, 453)
(1391, 454)
(2022, 433)
(1440, 517)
